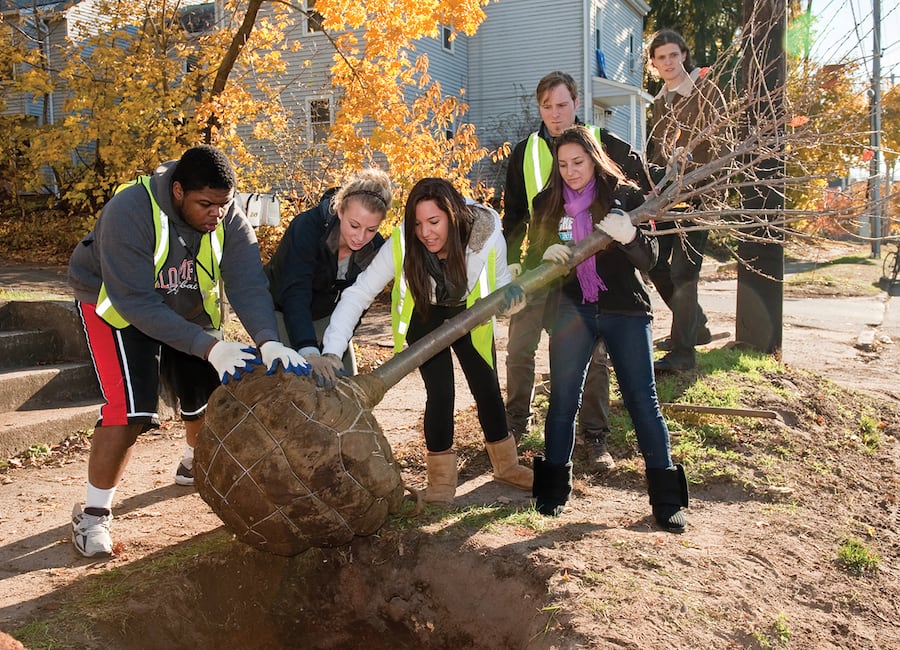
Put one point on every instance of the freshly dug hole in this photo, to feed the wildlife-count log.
(432, 594)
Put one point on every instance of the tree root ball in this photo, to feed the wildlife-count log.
(287, 466)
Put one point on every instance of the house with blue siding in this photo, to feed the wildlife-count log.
(522, 40)
(44, 24)
(598, 42)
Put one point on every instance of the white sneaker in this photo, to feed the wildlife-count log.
(184, 475)
(90, 533)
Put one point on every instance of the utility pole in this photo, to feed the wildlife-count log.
(760, 290)
(875, 135)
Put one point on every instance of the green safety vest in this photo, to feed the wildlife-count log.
(210, 248)
(538, 162)
(402, 302)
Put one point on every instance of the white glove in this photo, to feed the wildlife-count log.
(272, 352)
(326, 368)
(515, 270)
(558, 254)
(617, 224)
(229, 358)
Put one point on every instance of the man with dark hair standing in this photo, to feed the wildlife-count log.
(529, 168)
(146, 284)
(683, 112)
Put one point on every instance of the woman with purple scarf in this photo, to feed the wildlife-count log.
(604, 298)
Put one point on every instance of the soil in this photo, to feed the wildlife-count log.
(791, 542)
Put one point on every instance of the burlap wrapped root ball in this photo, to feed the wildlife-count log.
(288, 467)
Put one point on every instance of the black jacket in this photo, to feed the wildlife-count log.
(517, 212)
(618, 265)
(303, 271)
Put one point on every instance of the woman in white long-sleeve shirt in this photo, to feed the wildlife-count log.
(450, 253)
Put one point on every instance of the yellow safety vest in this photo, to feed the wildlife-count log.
(538, 162)
(402, 303)
(210, 248)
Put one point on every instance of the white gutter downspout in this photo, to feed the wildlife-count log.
(587, 63)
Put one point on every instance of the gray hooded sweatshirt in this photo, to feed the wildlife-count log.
(168, 307)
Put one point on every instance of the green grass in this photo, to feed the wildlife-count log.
(36, 451)
(30, 296)
(856, 558)
(778, 634)
(749, 452)
(869, 432)
(491, 519)
(854, 272)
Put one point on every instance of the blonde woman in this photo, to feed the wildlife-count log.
(322, 252)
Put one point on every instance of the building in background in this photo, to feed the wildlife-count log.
(495, 72)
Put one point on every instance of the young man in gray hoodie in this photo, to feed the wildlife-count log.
(146, 282)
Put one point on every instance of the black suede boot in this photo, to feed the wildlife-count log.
(552, 486)
(668, 490)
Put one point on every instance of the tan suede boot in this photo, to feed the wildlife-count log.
(506, 464)
(441, 472)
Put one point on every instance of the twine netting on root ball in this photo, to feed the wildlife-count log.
(288, 467)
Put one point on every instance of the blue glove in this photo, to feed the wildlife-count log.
(229, 358)
(513, 299)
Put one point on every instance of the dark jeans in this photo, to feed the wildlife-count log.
(525, 329)
(628, 341)
(676, 277)
(437, 373)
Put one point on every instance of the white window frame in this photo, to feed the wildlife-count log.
(447, 38)
(314, 129)
(309, 6)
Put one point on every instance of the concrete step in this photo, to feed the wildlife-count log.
(48, 389)
(21, 429)
(47, 386)
(24, 348)
(53, 316)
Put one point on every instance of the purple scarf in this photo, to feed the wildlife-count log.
(577, 206)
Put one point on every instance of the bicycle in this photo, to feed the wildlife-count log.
(891, 269)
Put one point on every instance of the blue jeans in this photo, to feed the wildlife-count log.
(628, 340)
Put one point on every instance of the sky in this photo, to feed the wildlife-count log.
(844, 32)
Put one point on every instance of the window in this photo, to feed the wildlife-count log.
(198, 18)
(320, 119)
(446, 38)
(632, 55)
(314, 19)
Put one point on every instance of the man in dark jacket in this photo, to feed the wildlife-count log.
(683, 113)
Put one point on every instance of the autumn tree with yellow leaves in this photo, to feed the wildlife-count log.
(140, 89)
(372, 80)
